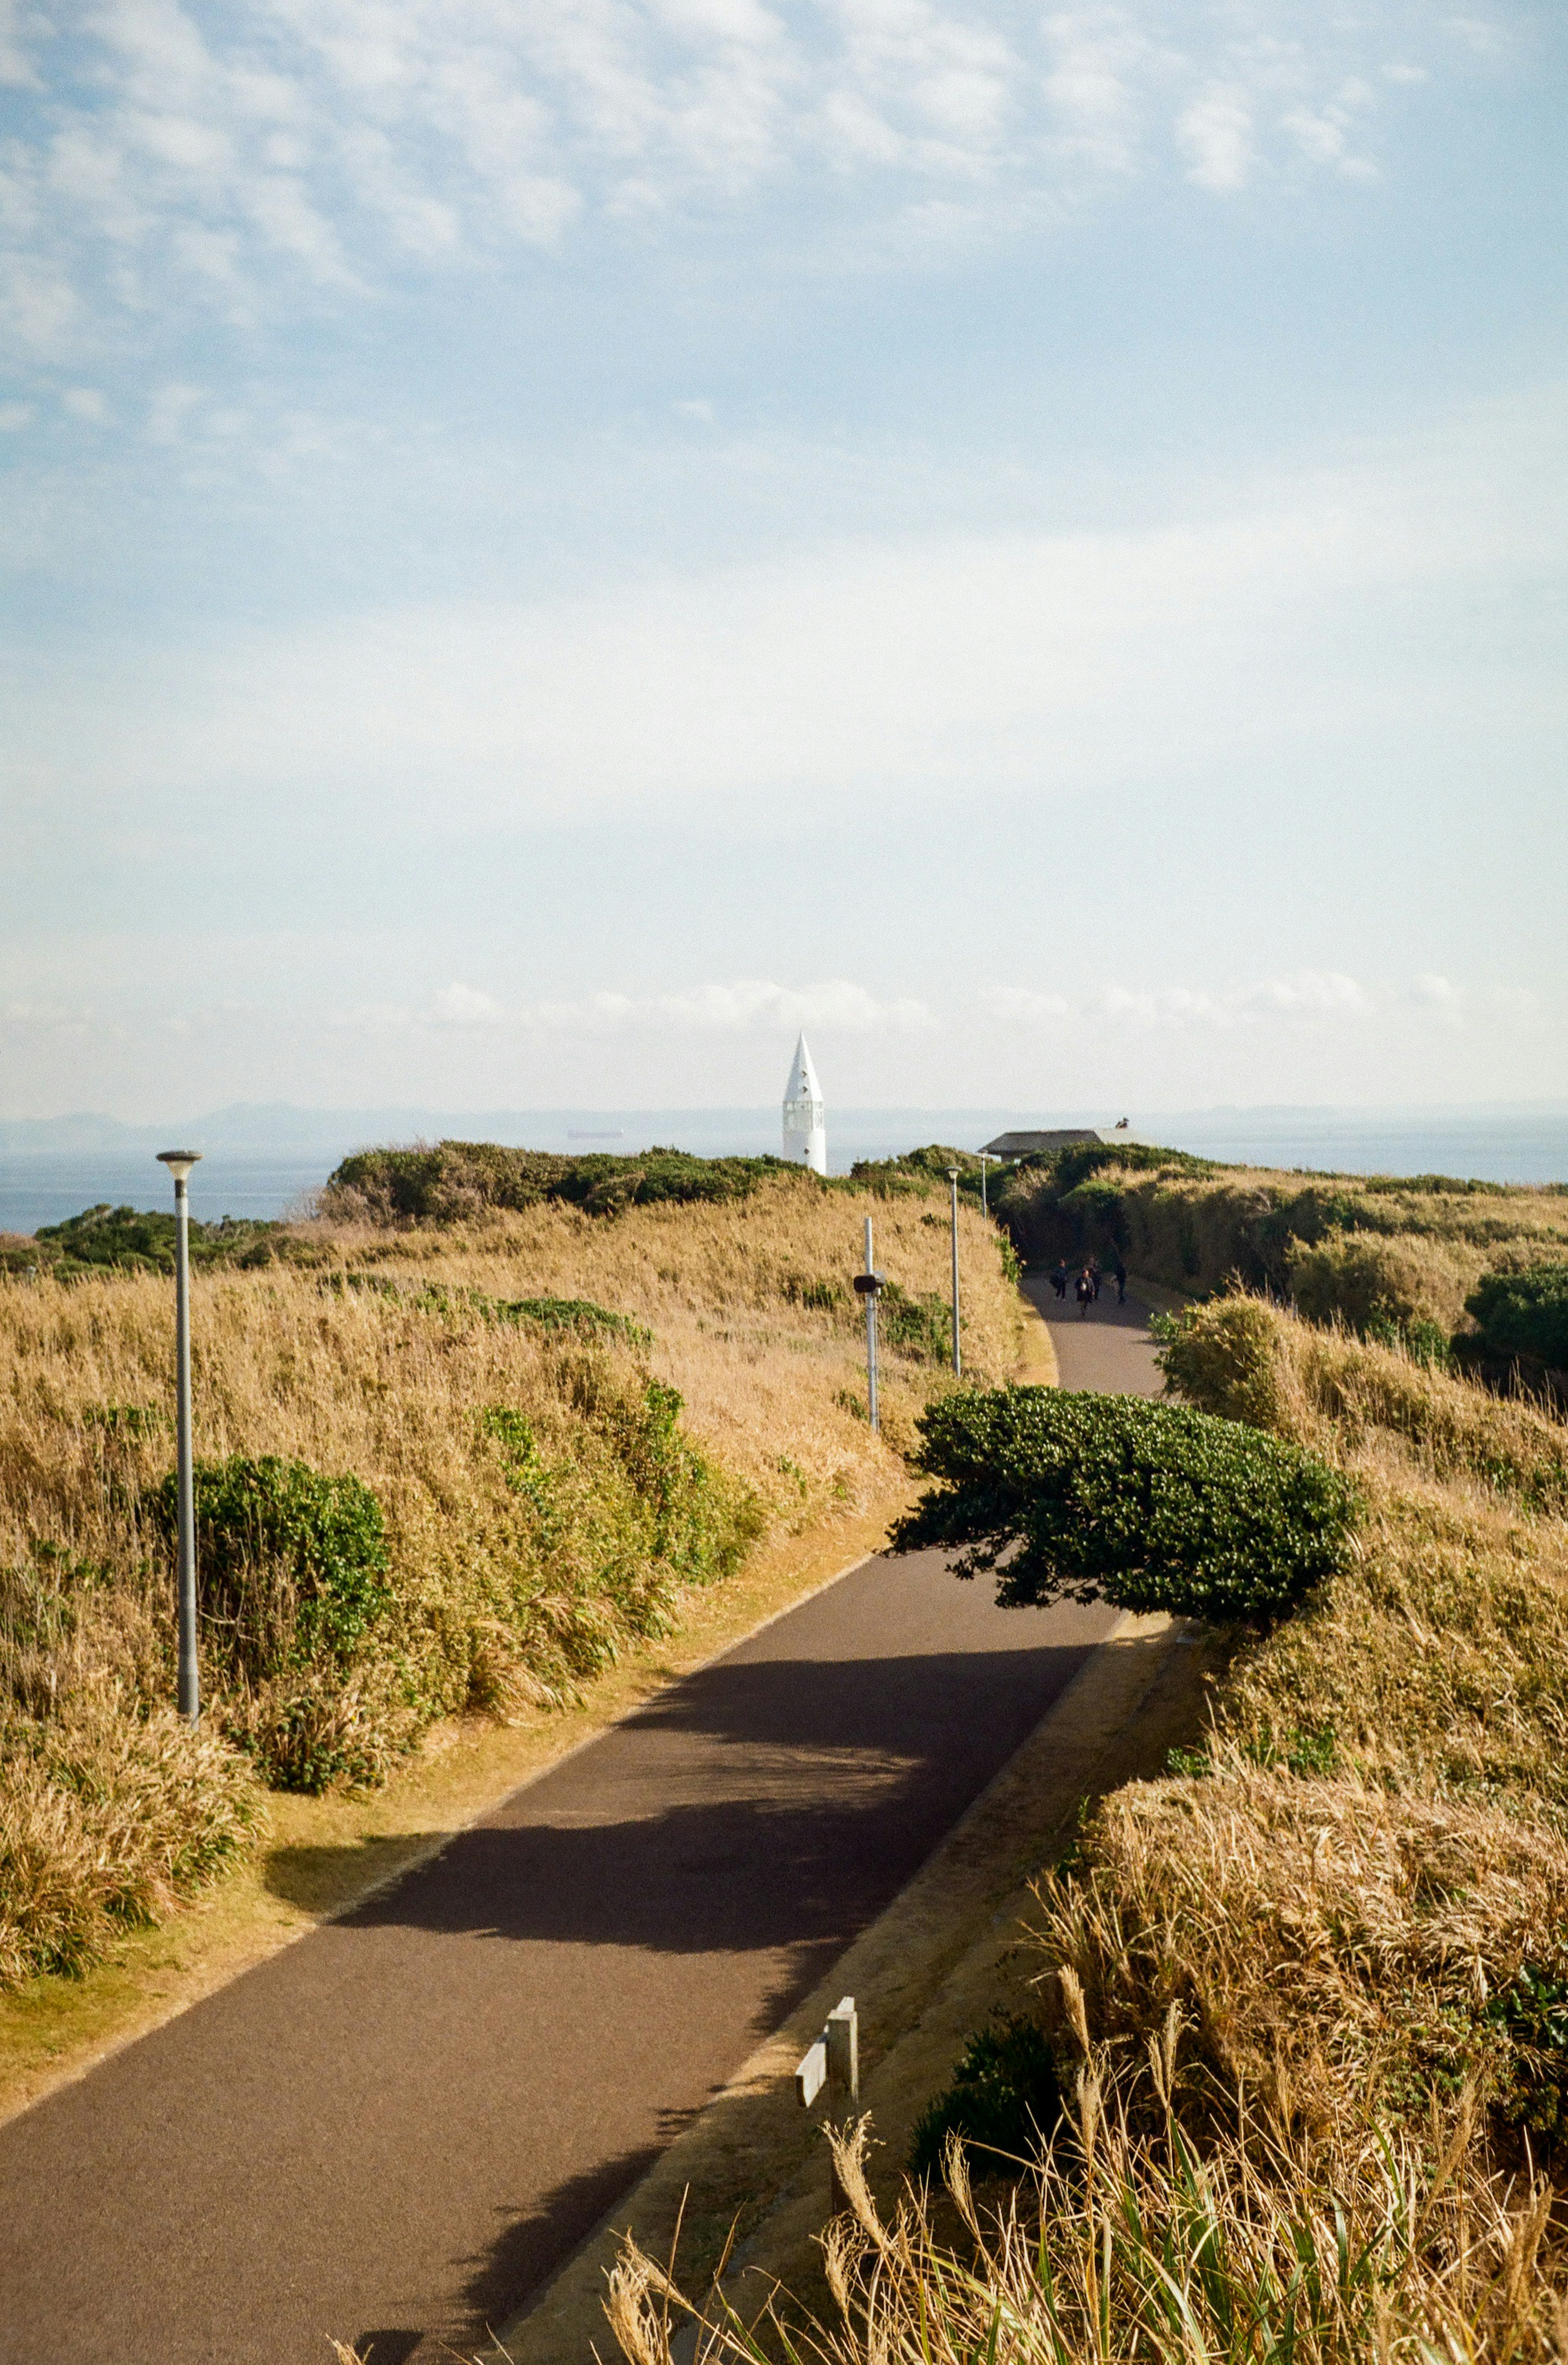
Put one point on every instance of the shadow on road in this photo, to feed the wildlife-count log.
(797, 1795)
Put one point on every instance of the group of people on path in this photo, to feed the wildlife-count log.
(1086, 1288)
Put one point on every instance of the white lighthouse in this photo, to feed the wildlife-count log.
(805, 1134)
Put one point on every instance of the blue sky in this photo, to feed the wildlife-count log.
(545, 547)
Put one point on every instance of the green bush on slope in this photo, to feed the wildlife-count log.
(1524, 1314)
(1005, 2101)
(132, 1239)
(1149, 1505)
(290, 1564)
(451, 1181)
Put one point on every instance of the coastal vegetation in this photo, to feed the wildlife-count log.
(1452, 1271)
(447, 1467)
(1100, 1497)
(1285, 2072)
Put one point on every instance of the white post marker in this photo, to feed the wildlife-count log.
(843, 2034)
(957, 1351)
(811, 2074)
(179, 1163)
(834, 2055)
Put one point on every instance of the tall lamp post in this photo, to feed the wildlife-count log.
(957, 1351)
(179, 1163)
(985, 1157)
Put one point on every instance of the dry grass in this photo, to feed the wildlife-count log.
(1364, 1249)
(1311, 1986)
(511, 1584)
(1125, 2247)
(1356, 1897)
(1440, 1658)
(1333, 1947)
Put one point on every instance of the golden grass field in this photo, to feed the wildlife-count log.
(516, 1572)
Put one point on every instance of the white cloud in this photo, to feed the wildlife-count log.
(337, 142)
(87, 402)
(1019, 1005)
(168, 412)
(734, 1007)
(862, 673)
(462, 1005)
(746, 1005)
(1310, 992)
(1483, 34)
(1301, 997)
(1214, 134)
(15, 416)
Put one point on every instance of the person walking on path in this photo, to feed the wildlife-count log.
(1084, 1293)
(1120, 1272)
(1094, 1276)
(1058, 1279)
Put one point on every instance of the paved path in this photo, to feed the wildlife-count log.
(1109, 1348)
(402, 2124)
(395, 2130)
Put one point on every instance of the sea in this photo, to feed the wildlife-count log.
(45, 1183)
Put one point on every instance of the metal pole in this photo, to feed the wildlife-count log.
(985, 1203)
(871, 1336)
(180, 1162)
(957, 1351)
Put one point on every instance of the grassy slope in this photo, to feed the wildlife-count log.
(1308, 1993)
(1347, 1246)
(506, 1593)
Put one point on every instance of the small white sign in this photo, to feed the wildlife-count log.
(811, 2075)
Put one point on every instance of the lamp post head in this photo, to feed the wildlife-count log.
(179, 1163)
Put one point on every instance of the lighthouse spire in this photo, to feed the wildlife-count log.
(805, 1128)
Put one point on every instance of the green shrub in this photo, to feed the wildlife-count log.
(451, 1181)
(918, 1326)
(1531, 2015)
(290, 1564)
(1005, 2098)
(1525, 1314)
(1149, 1505)
(130, 1240)
(1423, 1341)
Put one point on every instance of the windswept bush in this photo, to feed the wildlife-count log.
(1112, 1497)
(1373, 1285)
(1375, 1252)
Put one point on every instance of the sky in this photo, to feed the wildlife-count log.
(544, 548)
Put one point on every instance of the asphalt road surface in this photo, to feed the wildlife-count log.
(1109, 1348)
(397, 2128)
